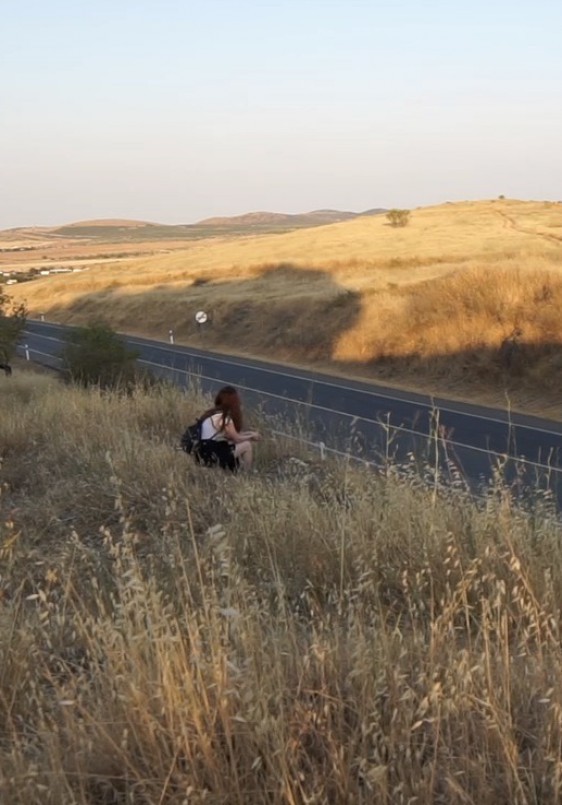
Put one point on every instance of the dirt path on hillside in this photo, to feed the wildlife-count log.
(511, 224)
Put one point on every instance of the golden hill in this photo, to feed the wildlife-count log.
(427, 305)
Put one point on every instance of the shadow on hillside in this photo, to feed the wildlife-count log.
(284, 311)
(530, 367)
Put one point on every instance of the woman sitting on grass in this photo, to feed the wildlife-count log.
(223, 441)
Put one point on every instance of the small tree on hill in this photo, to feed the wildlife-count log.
(398, 217)
(13, 317)
(95, 355)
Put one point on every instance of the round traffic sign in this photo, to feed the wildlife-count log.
(200, 317)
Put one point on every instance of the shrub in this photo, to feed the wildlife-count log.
(95, 355)
(12, 322)
(398, 217)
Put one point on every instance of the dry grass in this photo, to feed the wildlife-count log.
(426, 306)
(312, 633)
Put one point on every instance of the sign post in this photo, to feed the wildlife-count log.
(200, 317)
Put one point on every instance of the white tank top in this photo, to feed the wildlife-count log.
(211, 427)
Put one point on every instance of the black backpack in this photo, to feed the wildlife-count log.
(191, 437)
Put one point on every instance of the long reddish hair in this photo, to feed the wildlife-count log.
(228, 402)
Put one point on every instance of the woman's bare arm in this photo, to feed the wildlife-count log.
(239, 436)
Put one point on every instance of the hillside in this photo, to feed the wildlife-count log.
(315, 632)
(122, 223)
(265, 219)
(124, 230)
(427, 306)
(114, 240)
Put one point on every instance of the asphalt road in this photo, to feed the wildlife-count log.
(467, 443)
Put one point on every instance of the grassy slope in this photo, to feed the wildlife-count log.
(312, 633)
(426, 306)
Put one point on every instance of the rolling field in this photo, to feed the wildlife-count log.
(426, 306)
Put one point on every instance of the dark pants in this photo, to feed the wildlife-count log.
(213, 452)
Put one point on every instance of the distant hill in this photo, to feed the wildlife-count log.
(123, 223)
(260, 219)
(115, 230)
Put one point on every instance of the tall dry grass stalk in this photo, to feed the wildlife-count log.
(312, 633)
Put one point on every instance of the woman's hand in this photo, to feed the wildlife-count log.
(251, 435)
(243, 436)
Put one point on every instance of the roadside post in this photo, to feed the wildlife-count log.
(171, 336)
(42, 316)
(26, 348)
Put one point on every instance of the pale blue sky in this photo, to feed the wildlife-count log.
(173, 110)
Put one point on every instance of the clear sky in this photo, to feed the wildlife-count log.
(175, 110)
